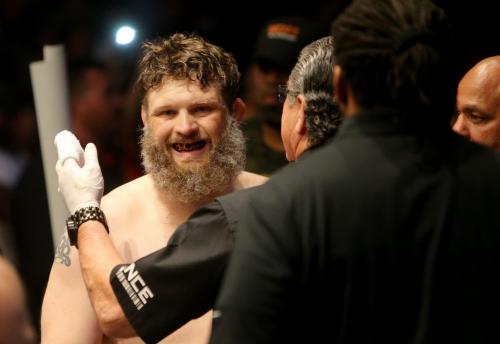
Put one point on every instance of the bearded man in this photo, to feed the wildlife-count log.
(192, 150)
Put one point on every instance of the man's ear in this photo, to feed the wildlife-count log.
(144, 115)
(239, 109)
(300, 126)
(339, 86)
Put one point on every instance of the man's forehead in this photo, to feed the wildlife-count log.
(484, 77)
(182, 91)
(480, 93)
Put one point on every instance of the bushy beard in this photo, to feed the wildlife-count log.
(196, 182)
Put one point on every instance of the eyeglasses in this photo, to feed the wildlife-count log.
(281, 93)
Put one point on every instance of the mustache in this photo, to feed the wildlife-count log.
(179, 138)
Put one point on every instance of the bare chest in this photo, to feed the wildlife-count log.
(138, 231)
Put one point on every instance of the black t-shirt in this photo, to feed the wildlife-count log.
(169, 287)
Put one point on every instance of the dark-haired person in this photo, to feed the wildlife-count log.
(273, 57)
(389, 234)
(184, 277)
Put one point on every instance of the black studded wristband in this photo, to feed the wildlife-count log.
(80, 216)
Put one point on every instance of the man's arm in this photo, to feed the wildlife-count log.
(82, 185)
(98, 257)
(192, 262)
(172, 285)
(179, 282)
(67, 315)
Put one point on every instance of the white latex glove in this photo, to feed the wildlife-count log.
(81, 184)
(68, 146)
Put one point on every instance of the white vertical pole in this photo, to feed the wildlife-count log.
(50, 92)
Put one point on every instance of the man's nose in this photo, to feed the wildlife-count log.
(460, 127)
(186, 124)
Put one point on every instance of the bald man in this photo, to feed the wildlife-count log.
(478, 103)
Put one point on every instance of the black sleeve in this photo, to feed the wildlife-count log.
(164, 290)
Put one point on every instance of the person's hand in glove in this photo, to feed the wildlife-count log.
(80, 178)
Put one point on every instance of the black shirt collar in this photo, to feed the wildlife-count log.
(385, 121)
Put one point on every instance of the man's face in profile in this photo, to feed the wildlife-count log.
(478, 108)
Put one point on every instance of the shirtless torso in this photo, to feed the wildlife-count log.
(141, 220)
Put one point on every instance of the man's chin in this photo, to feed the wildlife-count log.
(190, 163)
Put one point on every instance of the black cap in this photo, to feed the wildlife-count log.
(281, 40)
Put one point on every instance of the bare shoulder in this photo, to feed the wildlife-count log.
(126, 195)
(132, 214)
(248, 179)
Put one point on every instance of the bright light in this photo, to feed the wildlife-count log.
(124, 35)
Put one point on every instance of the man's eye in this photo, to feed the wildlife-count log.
(476, 118)
(168, 113)
(203, 109)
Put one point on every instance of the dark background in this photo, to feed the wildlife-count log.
(86, 27)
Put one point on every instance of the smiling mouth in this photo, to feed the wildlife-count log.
(189, 147)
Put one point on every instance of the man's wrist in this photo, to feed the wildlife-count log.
(91, 228)
(81, 216)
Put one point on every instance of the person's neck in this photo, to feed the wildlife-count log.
(350, 107)
(176, 209)
(272, 138)
(302, 148)
(171, 201)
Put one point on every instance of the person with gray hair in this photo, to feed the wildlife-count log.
(389, 234)
(309, 88)
(180, 282)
